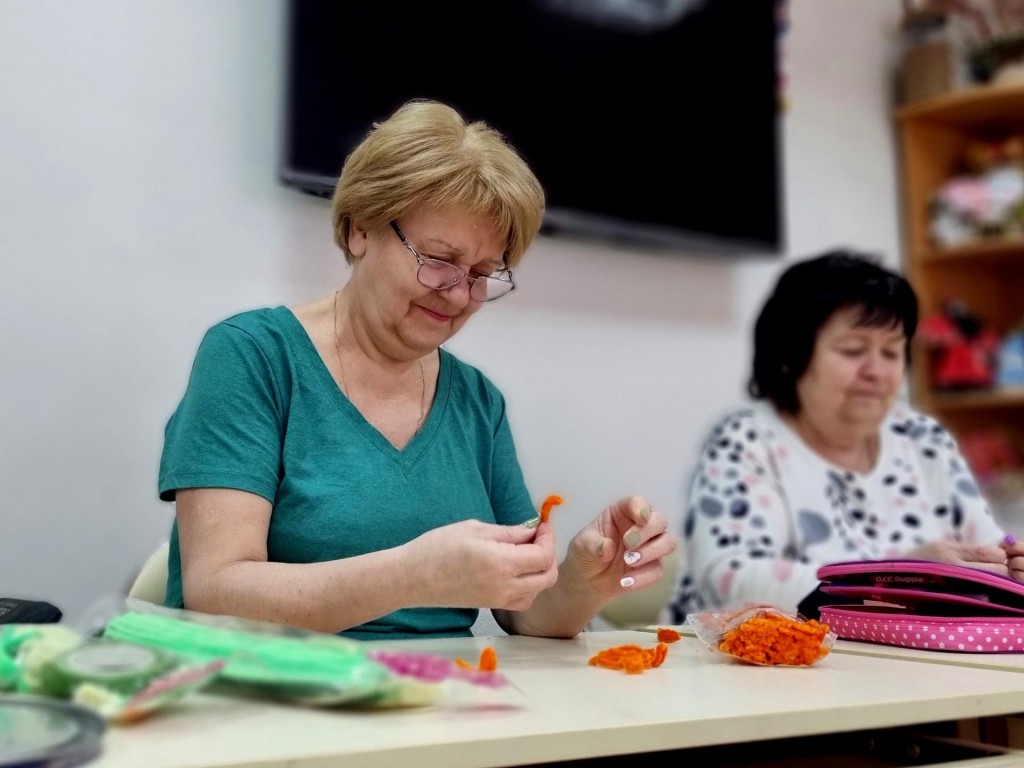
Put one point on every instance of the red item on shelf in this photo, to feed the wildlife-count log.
(964, 348)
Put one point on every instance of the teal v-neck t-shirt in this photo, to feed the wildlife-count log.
(263, 414)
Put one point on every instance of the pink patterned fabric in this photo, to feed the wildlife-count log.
(988, 634)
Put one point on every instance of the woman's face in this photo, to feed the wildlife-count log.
(423, 318)
(854, 374)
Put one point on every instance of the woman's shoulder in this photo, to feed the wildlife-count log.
(904, 423)
(272, 335)
(904, 420)
(465, 373)
(259, 320)
(265, 325)
(740, 426)
(743, 419)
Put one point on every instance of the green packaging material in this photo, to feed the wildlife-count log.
(25, 650)
(123, 668)
(318, 669)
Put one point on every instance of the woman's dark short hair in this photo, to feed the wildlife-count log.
(806, 295)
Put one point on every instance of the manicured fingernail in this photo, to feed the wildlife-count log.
(627, 581)
(645, 513)
(631, 558)
(1008, 539)
(533, 522)
(632, 539)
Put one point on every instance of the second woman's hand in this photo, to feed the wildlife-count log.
(1014, 557)
(988, 558)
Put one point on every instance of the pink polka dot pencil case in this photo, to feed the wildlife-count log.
(925, 605)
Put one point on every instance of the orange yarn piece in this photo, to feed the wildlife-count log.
(773, 639)
(666, 635)
(545, 508)
(488, 661)
(632, 659)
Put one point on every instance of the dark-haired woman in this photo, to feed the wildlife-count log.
(828, 465)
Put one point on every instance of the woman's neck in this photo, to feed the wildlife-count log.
(851, 449)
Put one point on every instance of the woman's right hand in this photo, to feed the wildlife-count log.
(988, 558)
(472, 564)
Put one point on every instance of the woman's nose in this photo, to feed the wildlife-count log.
(458, 293)
(876, 365)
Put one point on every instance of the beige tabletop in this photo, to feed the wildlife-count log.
(560, 708)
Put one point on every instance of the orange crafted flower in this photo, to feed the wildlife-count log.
(488, 661)
(633, 659)
(545, 508)
(666, 635)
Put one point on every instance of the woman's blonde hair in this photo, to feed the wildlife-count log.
(427, 156)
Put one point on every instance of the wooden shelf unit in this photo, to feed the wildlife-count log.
(988, 275)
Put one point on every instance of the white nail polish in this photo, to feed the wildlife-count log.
(631, 558)
(627, 581)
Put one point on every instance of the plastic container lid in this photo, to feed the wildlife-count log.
(47, 733)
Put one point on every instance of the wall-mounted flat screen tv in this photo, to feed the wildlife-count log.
(653, 122)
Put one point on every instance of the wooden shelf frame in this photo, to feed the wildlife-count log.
(987, 274)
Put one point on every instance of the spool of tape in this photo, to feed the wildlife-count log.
(120, 667)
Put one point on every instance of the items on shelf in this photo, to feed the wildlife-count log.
(929, 65)
(952, 44)
(986, 199)
(1010, 366)
(990, 453)
(964, 240)
(964, 349)
(998, 465)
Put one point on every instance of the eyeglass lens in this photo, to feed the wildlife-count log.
(439, 275)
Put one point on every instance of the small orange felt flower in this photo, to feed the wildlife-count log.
(632, 659)
(666, 635)
(488, 661)
(545, 508)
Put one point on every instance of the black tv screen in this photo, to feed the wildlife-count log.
(647, 121)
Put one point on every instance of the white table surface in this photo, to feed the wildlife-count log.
(560, 708)
(1007, 662)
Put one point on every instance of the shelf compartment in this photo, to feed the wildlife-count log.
(987, 274)
(990, 250)
(986, 109)
(976, 399)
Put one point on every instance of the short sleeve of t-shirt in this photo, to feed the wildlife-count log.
(226, 432)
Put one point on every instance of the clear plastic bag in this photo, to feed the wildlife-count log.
(764, 635)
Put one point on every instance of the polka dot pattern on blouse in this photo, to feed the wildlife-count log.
(764, 511)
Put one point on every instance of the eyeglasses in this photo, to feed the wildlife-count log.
(437, 274)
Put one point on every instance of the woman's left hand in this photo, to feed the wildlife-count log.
(1003, 559)
(622, 548)
(1014, 557)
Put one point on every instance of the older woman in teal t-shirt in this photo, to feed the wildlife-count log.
(334, 468)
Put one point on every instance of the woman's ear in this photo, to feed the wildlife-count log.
(357, 238)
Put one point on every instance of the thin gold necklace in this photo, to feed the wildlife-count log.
(344, 381)
(871, 451)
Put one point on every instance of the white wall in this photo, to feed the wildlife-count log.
(139, 204)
